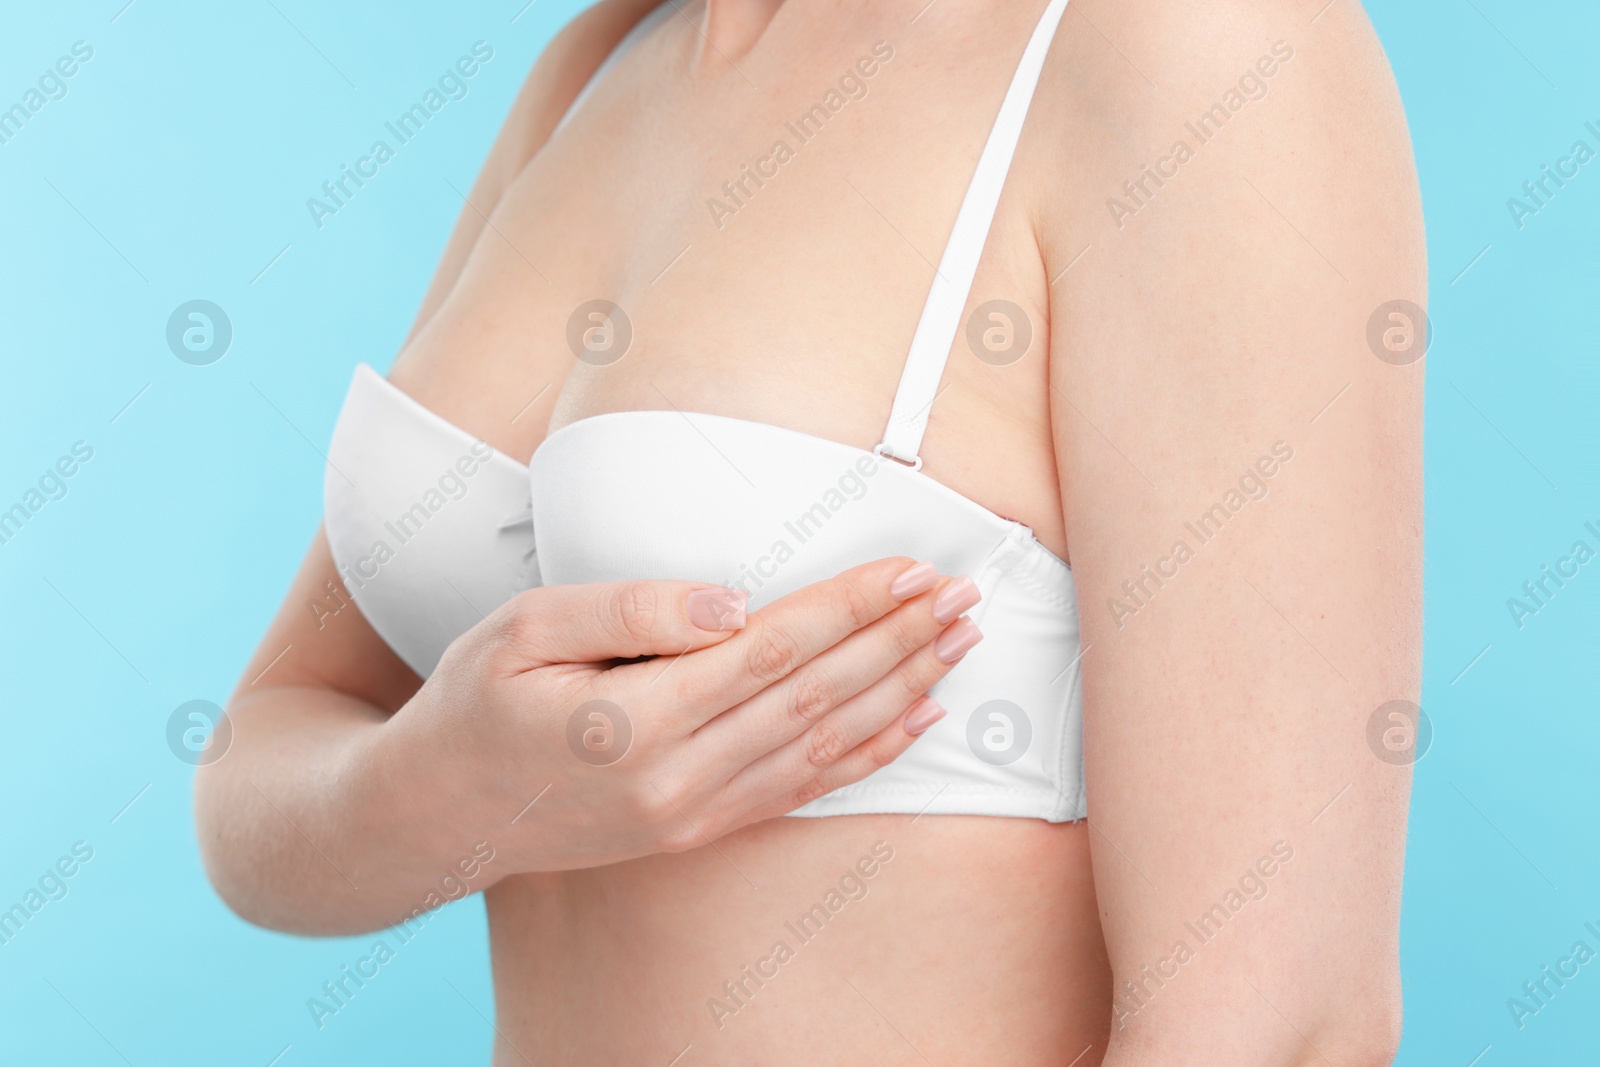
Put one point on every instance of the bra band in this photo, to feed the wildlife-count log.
(947, 298)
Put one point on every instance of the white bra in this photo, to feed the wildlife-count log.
(432, 529)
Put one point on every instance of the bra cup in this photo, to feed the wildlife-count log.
(713, 499)
(1012, 741)
(651, 494)
(416, 514)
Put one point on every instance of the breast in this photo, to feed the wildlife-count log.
(663, 494)
(430, 528)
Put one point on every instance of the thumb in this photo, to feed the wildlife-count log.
(620, 620)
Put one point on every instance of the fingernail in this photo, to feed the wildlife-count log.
(717, 609)
(923, 714)
(957, 641)
(914, 580)
(955, 598)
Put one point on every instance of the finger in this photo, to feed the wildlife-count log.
(617, 620)
(828, 741)
(796, 703)
(873, 754)
(789, 633)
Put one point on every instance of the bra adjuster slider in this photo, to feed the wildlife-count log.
(882, 449)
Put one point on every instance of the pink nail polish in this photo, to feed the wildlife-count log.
(957, 597)
(914, 580)
(957, 641)
(923, 714)
(718, 609)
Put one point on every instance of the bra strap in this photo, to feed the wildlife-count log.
(947, 298)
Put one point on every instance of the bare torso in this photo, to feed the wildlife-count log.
(796, 308)
(1212, 209)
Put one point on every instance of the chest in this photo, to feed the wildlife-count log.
(757, 243)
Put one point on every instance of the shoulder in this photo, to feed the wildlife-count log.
(556, 79)
(1169, 120)
(559, 74)
(1226, 203)
(575, 52)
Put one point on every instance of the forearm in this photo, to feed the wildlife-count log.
(304, 826)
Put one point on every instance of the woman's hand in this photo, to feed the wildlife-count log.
(576, 726)
(538, 735)
(543, 733)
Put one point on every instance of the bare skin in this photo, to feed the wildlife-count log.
(1173, 345)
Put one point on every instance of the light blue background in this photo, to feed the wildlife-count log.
(177, 167)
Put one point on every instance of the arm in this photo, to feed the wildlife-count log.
(300, 766)
(293, 818)
(1236, 808)
(327, 816)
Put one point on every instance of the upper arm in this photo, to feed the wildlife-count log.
(1209, 359)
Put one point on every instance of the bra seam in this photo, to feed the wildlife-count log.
(1024, 570)
(1009, 561)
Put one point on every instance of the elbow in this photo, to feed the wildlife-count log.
(1381, 1037)
(1364, 1030)
(224, 861)
(232, 891)
(231, 862)
(259, 879)
(242, 883)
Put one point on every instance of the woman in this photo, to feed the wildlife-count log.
(573, 608)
